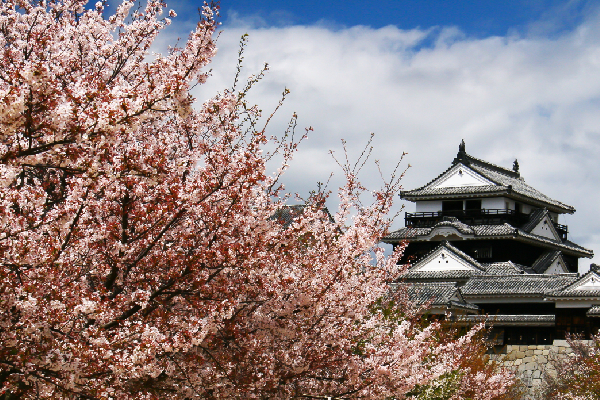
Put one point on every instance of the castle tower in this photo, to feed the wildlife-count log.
(497, 240)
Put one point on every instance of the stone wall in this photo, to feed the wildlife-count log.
(530, 362)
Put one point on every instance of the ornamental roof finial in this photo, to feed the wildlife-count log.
(461, 146)
(516, 166)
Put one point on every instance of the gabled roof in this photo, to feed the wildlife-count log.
(455, 223)
(516, 285)
(443, 262)
(435, 295)
(506, 268)
(535, 218)
(505, 182)
(585, 287)
(566, 247)
(544, 261)
(472, 232)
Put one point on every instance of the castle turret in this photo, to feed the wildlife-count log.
(481, 228)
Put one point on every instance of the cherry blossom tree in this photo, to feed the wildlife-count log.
(143, 254)
(574, 376)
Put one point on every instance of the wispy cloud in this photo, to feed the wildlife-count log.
(532, 96)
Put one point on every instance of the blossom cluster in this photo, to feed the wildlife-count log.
(140, 256)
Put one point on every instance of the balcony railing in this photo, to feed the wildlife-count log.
(471, 217)
(475, 217)
(562, 230)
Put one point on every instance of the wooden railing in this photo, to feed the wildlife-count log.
(486, 216)
(471, 217)
(563, 230)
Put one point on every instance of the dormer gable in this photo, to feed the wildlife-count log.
(589, 282)
(550, 262)
(460, 176)
(545, 228)
(446, 258)
(557, 267)
(586, 285)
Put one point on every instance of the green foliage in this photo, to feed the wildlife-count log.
(443, 388)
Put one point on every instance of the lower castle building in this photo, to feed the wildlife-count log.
(485, 246)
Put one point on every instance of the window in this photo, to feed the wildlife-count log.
(473, 205)
(483, 252)
(518, 207)
(452, 205)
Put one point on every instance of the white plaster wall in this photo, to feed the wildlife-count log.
(575, 304)
(489, 203)
(429, 206)
(444, 261)
(556, 267)
(526, 208)
(545, 229)
(462, 177)
(494, 203)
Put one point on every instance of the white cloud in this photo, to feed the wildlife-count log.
(535, 98)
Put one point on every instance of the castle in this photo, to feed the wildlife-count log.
(485, 246)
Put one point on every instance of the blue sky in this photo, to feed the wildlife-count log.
(473, 17)
(514, 79)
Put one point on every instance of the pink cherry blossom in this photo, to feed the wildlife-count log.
(140, 253)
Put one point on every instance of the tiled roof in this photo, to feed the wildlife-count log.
(407, 233)
(421, 293)
(462, 305)
(455, 223)
(515, 285)
(566, 245)
(576, 246)
(517, 185)
(435, 294)
(544, 261)
(593, 312)
(435, 275)
(486, 231)
(508, 320)
(494, 230)
(286, 215)
(446, 244)
(414, 272)
(476, 230)
(507, 182)
(571, 290)
(506, 268)
(575, 293)
(535, 218)
(432, 191)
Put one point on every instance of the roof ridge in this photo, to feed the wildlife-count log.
(545, 276)
(564, 245)
(428, 183)
(467, 159)
(452, 284)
